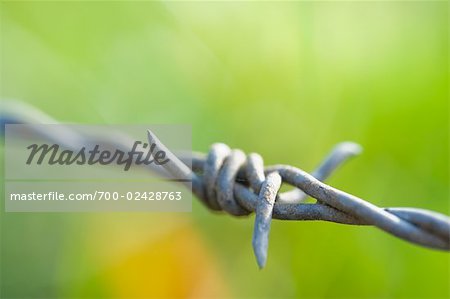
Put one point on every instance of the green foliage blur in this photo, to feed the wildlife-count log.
(285, 79)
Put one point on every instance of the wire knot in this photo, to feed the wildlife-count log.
(228, 180)
(220, 173)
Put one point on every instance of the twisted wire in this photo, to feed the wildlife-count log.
(228, 180)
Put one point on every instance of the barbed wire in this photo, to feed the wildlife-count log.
(228, 180)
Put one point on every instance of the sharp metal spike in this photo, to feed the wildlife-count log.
(264, 207)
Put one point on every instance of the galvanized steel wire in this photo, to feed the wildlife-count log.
(228, 180)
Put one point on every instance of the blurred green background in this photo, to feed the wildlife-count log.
(285, 79)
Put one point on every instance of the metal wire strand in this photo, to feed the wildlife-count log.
(418, 226)
(422, 227)
(228, 180)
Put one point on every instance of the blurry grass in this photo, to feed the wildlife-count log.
(287, 80)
